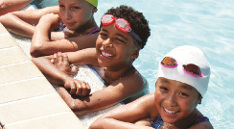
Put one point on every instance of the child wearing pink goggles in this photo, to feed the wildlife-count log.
(113, 59)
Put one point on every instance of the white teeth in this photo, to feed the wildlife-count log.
(106, 54)
(170, 112)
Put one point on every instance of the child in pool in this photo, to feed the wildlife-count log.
(7, 6)
(123, 33)
(76, 15)
(183, 78)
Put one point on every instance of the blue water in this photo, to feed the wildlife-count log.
(207, 24)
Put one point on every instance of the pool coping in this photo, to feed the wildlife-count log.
(27, 99)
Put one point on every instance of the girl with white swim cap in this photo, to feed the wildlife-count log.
(183, 78)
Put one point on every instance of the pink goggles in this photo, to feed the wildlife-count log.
(191, 69)
(122, 25)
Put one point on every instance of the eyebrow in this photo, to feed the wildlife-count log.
(164, 80)
(104, 30)
(117, 34)
(122, 36)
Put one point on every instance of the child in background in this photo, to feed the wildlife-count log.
(123, 33)
(76, 15)
(183, 77)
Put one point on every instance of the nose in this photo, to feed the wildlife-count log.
(171, 100)
(107, 43)
(68, 14)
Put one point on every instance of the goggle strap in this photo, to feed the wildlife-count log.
(136, 39)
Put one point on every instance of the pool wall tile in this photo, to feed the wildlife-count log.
(51, 122)
(31, 108)
(25, 89)
(12, 55)
(7, 41)
(18, 72)
(27, 99)
(2, 29)
(5, 38)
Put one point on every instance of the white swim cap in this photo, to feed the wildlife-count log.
(187, 55)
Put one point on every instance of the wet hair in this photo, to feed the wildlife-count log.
(136, 19)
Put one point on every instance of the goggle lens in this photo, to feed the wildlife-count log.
(191, 69)
(169, 62)
(122, 25)
(107, 19)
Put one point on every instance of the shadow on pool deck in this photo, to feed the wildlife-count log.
(27, 99)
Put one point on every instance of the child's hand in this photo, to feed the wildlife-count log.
(61, 61)
(144, 122)
(51, 19)
(77, 87)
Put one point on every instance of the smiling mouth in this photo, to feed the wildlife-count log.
(106, 55)
(169, 112)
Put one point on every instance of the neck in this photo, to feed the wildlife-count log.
(188, 121)
(86, 28)
(111, 75)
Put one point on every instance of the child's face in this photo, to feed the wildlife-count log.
(75, 13)
(115, 48)
(175, 100)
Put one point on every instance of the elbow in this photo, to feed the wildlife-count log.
(35, 51)
(71, 104)
(95, 125)
(99, 123)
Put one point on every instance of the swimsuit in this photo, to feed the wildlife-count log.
(158, 122)
(63, 26)
(106, 84)
(94, 31)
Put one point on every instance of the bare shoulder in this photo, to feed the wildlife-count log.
(202, 125)
(134, 77)
(137, 84)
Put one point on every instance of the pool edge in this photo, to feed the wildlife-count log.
(17, 98)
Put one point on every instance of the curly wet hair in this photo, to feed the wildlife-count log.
(136, 19)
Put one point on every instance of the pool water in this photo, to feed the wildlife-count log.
(207, 24)
(44, 3)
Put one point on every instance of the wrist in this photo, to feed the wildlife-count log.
(65, 78)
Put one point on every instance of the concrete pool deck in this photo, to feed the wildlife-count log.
(27, 99)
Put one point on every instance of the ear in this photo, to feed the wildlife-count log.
(135, 54)
(95, 10)
(200, 100)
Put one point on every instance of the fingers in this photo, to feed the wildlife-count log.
(54, 59)
(83, 89)
(74, 70)
(60, 58)
(78, 88)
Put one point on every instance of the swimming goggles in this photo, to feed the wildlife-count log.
(122, 25)
(191, 69)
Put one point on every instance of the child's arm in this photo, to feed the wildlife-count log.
(109, 96)
(12, 5)
(43, 45)
(21, 22)
(125, 116)
(55, 75)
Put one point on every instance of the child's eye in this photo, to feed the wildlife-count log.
(103, 35)
(183, 94)
(75, 8)
(61, 6)
(119, 40)
(163, 88)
